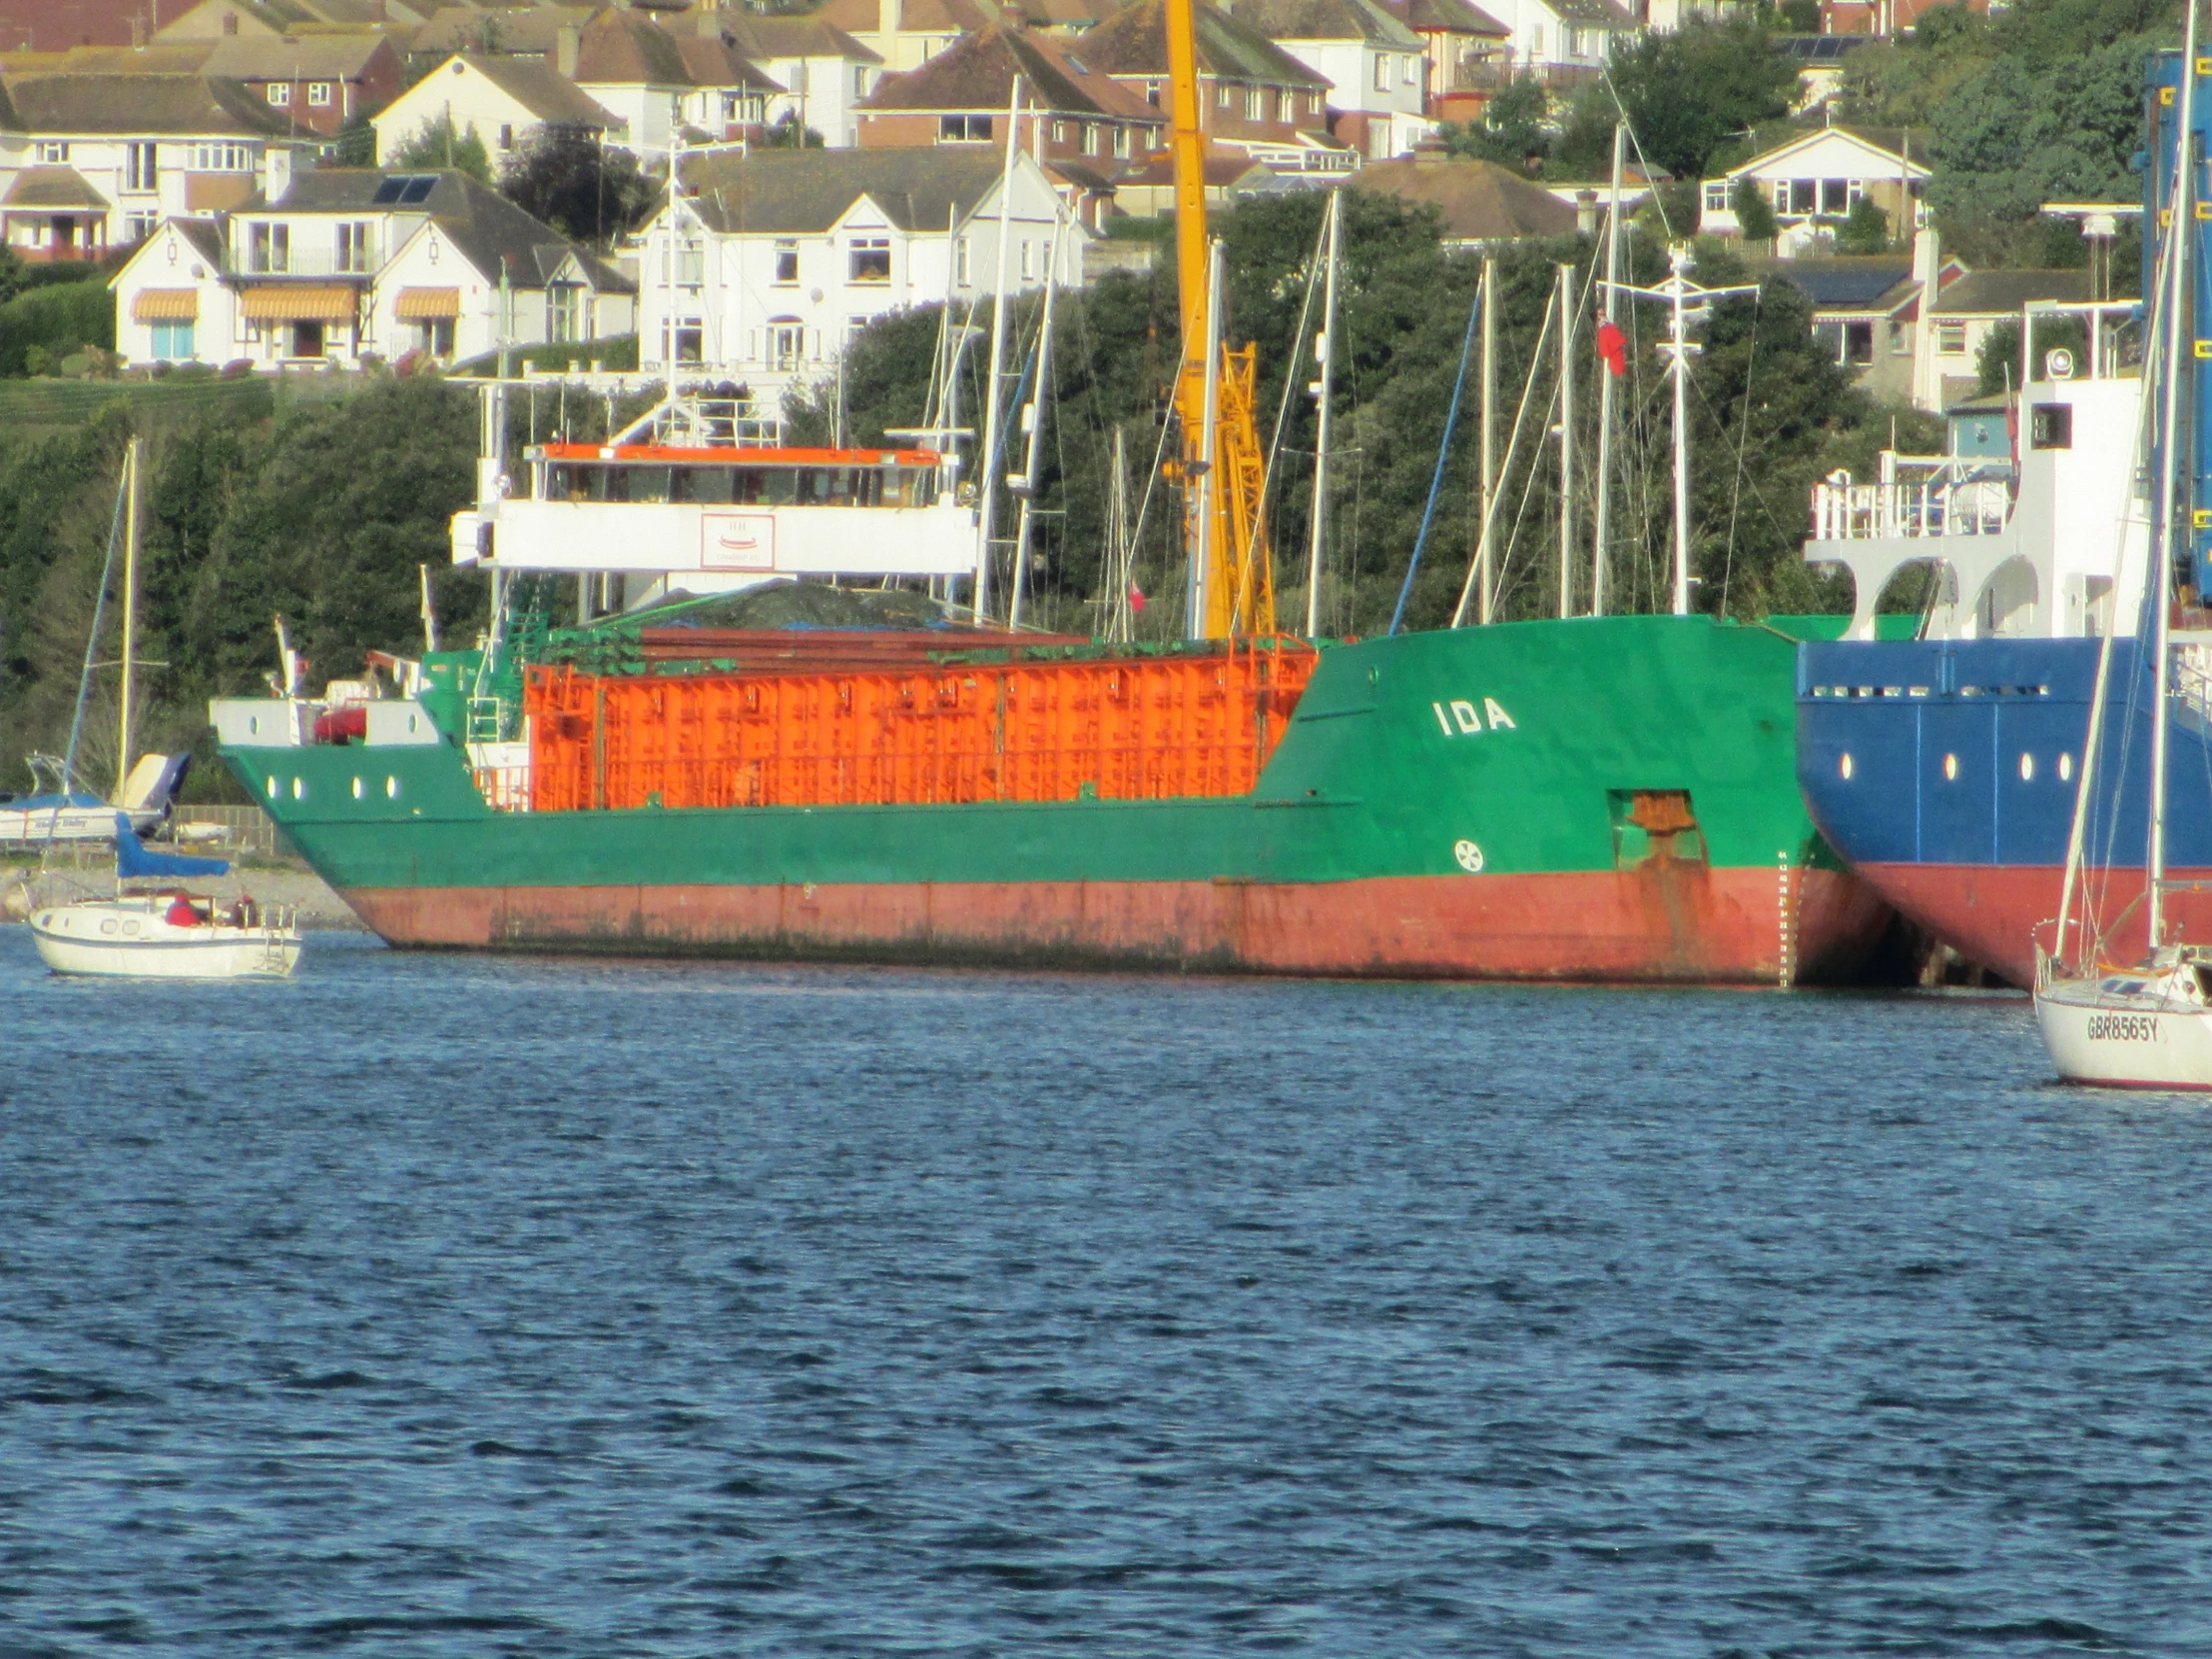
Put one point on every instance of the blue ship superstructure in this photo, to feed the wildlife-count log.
(1943, 769)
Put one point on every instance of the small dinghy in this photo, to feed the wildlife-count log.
(165, 934)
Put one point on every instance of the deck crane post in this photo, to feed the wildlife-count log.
(1238, 596)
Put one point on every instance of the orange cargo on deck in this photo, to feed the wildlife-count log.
(1131, 729)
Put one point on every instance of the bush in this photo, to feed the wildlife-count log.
(63, 320)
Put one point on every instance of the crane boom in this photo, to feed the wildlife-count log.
(1239, 591)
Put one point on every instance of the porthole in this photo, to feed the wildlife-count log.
(1844, 767)
(300, 788)
(253, 723)
(107, 928)
(412, 727)
(391, 789)
(130, 929)
(2065, 768)
(358, 789)
(2028, 767)
(1950, 768)
(272, 786)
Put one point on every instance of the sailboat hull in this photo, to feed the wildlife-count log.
(2125, 1041)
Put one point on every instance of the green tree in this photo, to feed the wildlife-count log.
(356, 142)
(786, 134)
(1866, 229)
(1514, 128)
(1754, 213)
(437, 145)
(1686, 92)
(585, 190)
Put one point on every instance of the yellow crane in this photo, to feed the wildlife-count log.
(1225, 512)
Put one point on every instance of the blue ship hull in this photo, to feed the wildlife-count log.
(1945, 772)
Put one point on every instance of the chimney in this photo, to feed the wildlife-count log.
(1585, 213)
(276, 173)
(1927, 264)
(709, 19)
(229, 23)
(567, 39)
(886, 17)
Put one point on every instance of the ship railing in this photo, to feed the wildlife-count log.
(1932, 508)
(505, 789)
(2193, 678)
(690, 422)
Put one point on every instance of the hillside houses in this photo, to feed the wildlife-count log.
(333, 268)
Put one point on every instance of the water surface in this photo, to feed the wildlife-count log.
(435, 1306)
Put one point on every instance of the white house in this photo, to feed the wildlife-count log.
(775, 258)
(1564, 42)
(1967, 313)
(89, 162)
(504, 100)
(1377, 67)
(822, 70)
(1819, 177)
(321, 268)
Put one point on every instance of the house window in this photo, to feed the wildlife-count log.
(691, 265)
(506, 135)
(434, 336)
(1408, 72)
(138, 226)
(269, 250)
(319, 95)
(1573, 41)
(353, 246)
(172, 343)
(1312, 103)
(2050, 427)
(871, 260)
(1220, 94)
(1799, 196)
(1900, 339)
(786, 342)
(1283, 110)
(965, 129)
(565, 314)
(1382, 72)
(216, 158)
(1059, 132)
(859, 81)
(1950, 340)
(1152, 93)
(1834, 196)
(1028, 259)
(960, 260)
(1716, 196)
(279, 95)
(52, 154)
(140, 170)
(1121, 142)
(680, 340)
(786, 263)
(1536, 41)
(1252, 105)
(1091, 144)
(853, 325)
(305, 339)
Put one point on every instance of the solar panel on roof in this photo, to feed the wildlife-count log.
(417, 188)
(388, 191)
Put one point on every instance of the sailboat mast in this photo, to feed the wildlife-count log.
(1566, 440)
(986, 480)
(130, 610)
(1033, 419)
(1602, 526)
(1680, 255)
(2182, 217)
(1321, 388)
(1482, 581)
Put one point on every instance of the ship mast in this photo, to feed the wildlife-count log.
(1321, 390)
(1222, 465)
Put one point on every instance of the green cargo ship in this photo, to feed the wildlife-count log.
(1593, 800)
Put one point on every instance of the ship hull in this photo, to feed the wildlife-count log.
(1945, 772)
(1681, 925)
(1610, 799)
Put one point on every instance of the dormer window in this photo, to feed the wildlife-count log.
(52, 153)
(319, 95)
(280, 93)
(965, 129)
(871, 260)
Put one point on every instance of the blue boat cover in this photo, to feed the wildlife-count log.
(132, 859)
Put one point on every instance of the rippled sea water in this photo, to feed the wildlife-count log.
(434, 1306)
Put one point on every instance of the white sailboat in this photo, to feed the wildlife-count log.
(167, 933)
(2148, 1025)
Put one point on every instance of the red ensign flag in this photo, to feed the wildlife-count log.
(1612, 345)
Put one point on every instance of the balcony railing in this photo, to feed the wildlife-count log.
(300, 263)
(1869, 512)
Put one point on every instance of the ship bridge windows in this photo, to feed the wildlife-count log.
(745, 486)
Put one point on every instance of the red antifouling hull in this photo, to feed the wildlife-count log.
(1993, 914)
(1661, 924)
